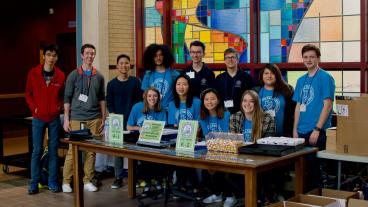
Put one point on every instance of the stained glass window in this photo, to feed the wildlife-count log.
(332, 25)
(153, 21)
(219, 24)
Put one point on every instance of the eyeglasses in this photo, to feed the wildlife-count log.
(231, 58)
(195, 52)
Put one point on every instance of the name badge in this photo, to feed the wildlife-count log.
(191, 74)
(229, 103)
(271, 113)
(83, 98)
(303, 108)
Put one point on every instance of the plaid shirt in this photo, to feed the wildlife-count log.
(237, 120)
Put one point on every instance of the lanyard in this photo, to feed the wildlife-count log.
(88, 84)
(310, 86)
(234, 81)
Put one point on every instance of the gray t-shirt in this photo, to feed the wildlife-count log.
(92, 86)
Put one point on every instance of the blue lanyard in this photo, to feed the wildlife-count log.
(310, 86)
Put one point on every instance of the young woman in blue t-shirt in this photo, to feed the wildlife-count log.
(149, 109)
(276, 99)
(213, 117)
(184, 106)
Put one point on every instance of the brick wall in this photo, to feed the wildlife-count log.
(121, 31)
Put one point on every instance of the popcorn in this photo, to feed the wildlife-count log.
(224, 142)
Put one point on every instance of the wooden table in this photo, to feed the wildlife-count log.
(247, 165)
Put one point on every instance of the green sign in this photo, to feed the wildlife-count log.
(116, 129)
(151, 131)
(187, 135)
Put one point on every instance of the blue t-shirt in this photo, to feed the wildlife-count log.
(163, 82)
(276, 104)
(247, 130)
(215, 124)
(312, 91)
(137, 117)
(184, 113)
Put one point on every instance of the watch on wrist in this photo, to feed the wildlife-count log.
(317, 129)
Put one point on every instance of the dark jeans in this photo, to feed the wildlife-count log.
(314, 178)
(38, 132)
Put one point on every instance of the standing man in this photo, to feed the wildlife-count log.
(158, 60)
(314, 95)
(44, 96)
(232, 83)
(122, 93)
(201, 77)
(84, 106)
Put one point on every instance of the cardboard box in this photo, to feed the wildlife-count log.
(357, 203)
(341, 196)
(352, 125)
(315, 201)
(289, 204)
(331, 141)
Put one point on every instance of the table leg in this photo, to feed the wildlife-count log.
(300, 175)
(78, 182)
(250, 188)
(338, 174)
(131, 178)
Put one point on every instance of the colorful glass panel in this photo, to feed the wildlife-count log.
(219, 24)
(153, 21)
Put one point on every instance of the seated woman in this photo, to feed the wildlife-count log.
(184, 106)
(213, 117)
(275, 96)
(251, 120)
(254, 124)
(149, 109)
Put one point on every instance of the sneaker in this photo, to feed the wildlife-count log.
(145, 191)
(118, 183)
(54, 186)
(66, 188)
(90, 187)
(212, 199)
(33, 188)
(230, 201)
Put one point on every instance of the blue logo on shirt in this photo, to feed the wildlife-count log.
(269, 103)
(183, 114)
(161, 85)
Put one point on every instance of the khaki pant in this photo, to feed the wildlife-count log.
(89, 162)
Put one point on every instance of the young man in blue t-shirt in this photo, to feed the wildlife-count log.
(314, 95)
(158, 60)
(122, 93)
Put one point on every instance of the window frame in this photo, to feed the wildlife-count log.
(254, 63)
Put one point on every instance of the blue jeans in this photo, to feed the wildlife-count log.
(38, 132)
(120, 172)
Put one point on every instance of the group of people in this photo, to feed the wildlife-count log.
(230, 102)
